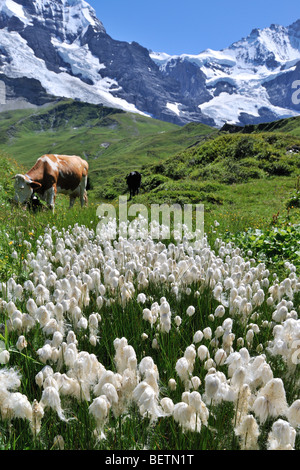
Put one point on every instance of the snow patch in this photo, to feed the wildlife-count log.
(175, 108)
(12, 8)
(62, 84)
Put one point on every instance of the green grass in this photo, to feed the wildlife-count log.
(287, 126)
(121, 321)
(112, 141)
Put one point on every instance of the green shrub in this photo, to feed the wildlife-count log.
(153, 181)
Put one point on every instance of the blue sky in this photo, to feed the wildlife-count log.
(190, 26)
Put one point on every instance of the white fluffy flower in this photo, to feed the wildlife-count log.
(167, 405)
(190, 310)
(50, 398)
(271, 401)
(248, 432)
(202, 352)
(293, 414)
(282, 436)
(99, 409)
(21, 343)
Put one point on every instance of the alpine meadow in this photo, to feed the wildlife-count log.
(134, 332)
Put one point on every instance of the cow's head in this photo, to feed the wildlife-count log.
(24, 188)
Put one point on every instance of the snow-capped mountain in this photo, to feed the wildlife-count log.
(59, 48)
(252, 80)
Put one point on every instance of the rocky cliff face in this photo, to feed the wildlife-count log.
(61, 49)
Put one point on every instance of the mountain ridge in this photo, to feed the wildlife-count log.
(65, 47)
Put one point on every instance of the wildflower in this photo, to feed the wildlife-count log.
(4, 356)
(141, 298)
(58, 443)
(110, 392)
(125, 357)
(210, 363)
(45, 353)
(207, 333)
(145, 395)
(17, 406)
(50, 398)
(248, 432)
(198, 336)
(293, 414)
(286, 342)
(220, 357)
(212, 384)
(190, 310)
(258, 297)
(220, 311)
(147, 315)
(282, 436)
(202, 352)
(37, 415)
(186, 416)
(249, 336)
(196, 382)
(271, 401)
(172, 384)
(165, 316)
(99, 409)
(190, 355)
(182, 369)
(21, 343)
(167, 406)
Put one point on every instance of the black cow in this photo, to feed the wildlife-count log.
(134, 183)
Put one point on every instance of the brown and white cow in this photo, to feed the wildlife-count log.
(54, 174)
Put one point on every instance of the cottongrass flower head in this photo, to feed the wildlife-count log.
(243, 402)
(191, 412)
(4, 354)
(293, 414)
(21, 343)
(190, 310)
(99, 409)
(182, 368)
(248, 432)
(185, 415)
(282, 436)
(16, 405)
(51, 399)
(172, 384)
(146, 393)
(271, 401)
(37, 415)
(167, 406)
(286, 342)
(58, 443)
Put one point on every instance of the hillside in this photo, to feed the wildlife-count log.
(221, 160)
(111, 140)
(243, 180)
(288, 126)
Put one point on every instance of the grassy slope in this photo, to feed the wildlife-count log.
(243, 178)
(76, 128)
(288, 126)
